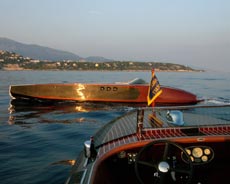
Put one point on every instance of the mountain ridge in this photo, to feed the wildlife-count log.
(42, 52)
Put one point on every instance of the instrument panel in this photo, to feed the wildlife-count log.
(199, 154)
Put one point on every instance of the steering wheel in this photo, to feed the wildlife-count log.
(161, 162)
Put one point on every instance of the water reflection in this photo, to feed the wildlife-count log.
(65, 106)
(64, 162)
(25, 112)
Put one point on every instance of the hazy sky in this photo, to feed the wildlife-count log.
(189, 32)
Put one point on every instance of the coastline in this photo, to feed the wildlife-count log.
(17, 68)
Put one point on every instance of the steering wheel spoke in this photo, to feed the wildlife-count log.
(147, 164)
(160, 156)
(166, 151)
(180, 170)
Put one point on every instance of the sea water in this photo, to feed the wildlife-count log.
(37, 140)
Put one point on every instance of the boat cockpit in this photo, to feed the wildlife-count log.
(160, 145)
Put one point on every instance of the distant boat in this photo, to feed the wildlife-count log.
(135, 91)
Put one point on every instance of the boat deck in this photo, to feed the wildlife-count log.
(124, 131)
(118, 144)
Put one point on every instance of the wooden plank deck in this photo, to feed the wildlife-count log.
(124, 131)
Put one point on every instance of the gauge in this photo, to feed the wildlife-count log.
(188, 151)
(204, 158)
(197, 152)
(207, 151)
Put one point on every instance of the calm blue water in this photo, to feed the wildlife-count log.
(36, 139)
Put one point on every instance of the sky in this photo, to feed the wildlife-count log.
(190, 32)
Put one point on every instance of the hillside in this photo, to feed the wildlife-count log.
(14, 61)
(36, 51)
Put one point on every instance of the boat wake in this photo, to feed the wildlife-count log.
(218, 101)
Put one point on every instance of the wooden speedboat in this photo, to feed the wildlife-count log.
(135, 91)
(187, 144)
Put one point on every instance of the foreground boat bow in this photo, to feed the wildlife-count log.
(161, 145)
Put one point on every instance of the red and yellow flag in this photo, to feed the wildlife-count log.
(154, 89)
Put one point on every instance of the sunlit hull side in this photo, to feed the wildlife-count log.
(115, 93)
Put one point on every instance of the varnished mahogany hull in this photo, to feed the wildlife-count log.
(119, 93)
